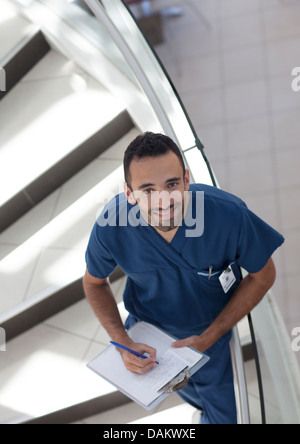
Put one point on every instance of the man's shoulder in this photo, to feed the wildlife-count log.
(217, 196)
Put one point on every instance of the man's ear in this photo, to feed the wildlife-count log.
(129, 194)
(186, 180)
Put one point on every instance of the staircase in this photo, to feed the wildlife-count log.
(76, 93)
(62, 140)
(63, 135)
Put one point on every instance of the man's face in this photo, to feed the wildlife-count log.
(158, 185)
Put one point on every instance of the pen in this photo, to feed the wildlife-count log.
(130, 350)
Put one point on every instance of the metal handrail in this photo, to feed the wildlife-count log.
(240, 386)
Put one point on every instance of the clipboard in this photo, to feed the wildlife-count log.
(175, 368)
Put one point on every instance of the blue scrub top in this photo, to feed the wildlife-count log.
(168, 285)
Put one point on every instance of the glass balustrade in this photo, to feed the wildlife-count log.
(103, 38)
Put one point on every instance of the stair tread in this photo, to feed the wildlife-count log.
(55, 233)
(44, 370)
(60, 102)
(50, 360)
(13, 28)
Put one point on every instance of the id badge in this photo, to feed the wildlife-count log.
(227, 279)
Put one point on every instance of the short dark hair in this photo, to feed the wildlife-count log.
(149, 145)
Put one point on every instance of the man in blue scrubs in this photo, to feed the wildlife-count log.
(181, 246)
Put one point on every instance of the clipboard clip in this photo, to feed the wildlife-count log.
(178, 383)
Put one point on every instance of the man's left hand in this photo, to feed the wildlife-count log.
(197, 342)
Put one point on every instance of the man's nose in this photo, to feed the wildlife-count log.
(160, 199)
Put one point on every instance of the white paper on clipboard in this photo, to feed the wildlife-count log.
(145, 389)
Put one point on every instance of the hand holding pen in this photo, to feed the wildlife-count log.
(134, 359)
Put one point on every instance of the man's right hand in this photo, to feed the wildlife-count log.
(136, 364)
(99, 294)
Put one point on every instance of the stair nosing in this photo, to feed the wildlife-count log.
(40, 188)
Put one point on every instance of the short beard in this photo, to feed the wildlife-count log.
(174, 221)
(175, 205)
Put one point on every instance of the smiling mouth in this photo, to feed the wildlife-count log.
(165, 214)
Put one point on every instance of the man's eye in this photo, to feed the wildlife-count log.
(173, 184)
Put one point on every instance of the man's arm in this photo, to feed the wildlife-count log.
(248, 294)
(100, 296)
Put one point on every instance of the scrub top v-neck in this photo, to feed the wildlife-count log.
(177, 285)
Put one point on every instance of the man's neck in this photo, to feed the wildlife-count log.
(167, 235)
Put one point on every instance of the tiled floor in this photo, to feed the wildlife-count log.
(233, 74)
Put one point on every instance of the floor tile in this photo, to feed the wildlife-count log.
(241, 31)
(283, 55)
(16, 270)
(293, 282)
(203, 73)
(283, 98)
(243, 65)
(31, 222)
(208, 8)
(286, 129)
(204, 107)
(287, 161)
(55, 268)
(246, 100)
(183, 51)
(290, 208)
(249, 137)
(265, 206)
(238, 7)
(248, 176)
(291, 249)
(282, 22)
(94, 348)
(79, 319)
